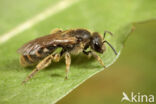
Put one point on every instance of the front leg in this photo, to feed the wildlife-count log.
(43, 64)
(91, 53)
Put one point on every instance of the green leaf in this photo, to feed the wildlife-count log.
(49, 86)
(15, 12)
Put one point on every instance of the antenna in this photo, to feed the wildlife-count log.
(105, 32)
(110, 46)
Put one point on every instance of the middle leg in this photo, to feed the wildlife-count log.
(68, 62)
(42, 65)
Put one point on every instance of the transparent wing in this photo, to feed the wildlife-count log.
(56, 39)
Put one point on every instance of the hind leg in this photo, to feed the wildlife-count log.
(42, 65)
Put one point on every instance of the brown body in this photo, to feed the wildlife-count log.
(37, 49)
(43, 50)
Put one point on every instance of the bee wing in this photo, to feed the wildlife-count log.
(56, 39)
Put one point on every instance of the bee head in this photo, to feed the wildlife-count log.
(98, 43)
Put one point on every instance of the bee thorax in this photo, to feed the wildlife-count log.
(77, 49)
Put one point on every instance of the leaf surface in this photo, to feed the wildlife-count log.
(49, 86)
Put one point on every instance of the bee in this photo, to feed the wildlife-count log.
(42, 51)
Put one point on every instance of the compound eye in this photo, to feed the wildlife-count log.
(98, 47)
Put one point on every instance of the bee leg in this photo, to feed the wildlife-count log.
(68, 62)
(105, 32)
(91, 53)
(56, 57)
(43, 64)
(56, 30)
(88, 53)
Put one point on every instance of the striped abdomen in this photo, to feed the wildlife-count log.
(29, 60)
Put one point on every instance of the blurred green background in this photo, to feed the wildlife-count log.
(135, 71)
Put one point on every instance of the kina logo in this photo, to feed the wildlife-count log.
(138, 97)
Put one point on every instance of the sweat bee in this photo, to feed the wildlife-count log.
(41, 51)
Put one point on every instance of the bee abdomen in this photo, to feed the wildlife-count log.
(29, 60)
